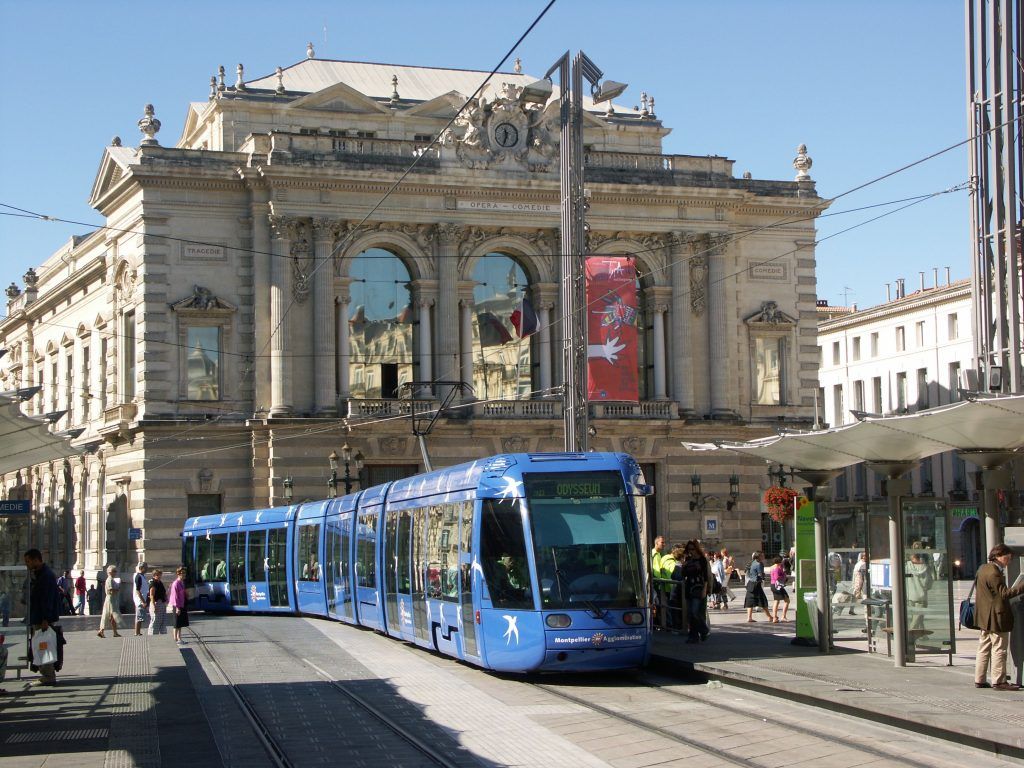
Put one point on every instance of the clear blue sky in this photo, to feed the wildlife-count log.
(869, 86)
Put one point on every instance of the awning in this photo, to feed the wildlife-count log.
(983, 424)
(27, 440)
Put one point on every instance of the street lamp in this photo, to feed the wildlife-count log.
(734, 492)
(348, 459)
(332, 481)
(288, 489)
(694, 491)
(573, 291)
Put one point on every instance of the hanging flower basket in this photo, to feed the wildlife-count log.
(779, 502)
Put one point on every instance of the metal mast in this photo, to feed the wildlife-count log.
(994, 111)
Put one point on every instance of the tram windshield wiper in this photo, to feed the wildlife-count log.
(594, 608)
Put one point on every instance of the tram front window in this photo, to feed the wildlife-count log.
(584, 540)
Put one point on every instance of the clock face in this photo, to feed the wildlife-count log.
(506, 134)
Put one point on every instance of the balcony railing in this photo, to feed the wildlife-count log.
(514, 409)
(117, 414)
(341, 147)
(645, 409)
(639, 161)
(519, 409)
(384, 407)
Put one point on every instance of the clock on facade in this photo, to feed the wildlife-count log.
(506, 134)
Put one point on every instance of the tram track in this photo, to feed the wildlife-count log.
(272, 746)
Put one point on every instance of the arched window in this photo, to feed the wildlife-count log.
(379, 325)
(505, 319)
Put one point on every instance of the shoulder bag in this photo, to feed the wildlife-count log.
(967, 609)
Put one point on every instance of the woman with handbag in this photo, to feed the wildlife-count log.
(111, 614)
(179, 604)
(756, 598)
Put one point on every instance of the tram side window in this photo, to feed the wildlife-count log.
(306, 548)
(503, 554)
(211, 558)
(366, 563)
(404, 523)
(188, 559)
(443, 552)
(257, 556)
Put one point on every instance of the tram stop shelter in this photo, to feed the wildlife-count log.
(25, 441)
(910, 581)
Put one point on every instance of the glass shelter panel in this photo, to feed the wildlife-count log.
(928, 585)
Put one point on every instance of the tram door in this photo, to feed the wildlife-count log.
(368, 611)
(468, 612)
(236, 569)
(397, 566)
(277, 567)
(419, 571)
(257, 559)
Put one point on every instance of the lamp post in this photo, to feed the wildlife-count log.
(571, 72)
(347, 459)
(332, 481)
(288, 493)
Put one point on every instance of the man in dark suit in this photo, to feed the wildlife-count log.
(44, 609)
(995, 619)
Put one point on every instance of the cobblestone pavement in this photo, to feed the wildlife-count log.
(144, 702)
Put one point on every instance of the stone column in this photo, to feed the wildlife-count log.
(344, 388)
(466, 344)
(447, 315)
(658, 353)
(423, 306)
(685, 303)
(280, 363)
(544, 295)
(324, 397)
(261, 258)
(718, 352)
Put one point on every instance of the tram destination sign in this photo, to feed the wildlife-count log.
(15, 507)
(574, 485)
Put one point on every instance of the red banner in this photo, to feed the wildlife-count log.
(611, 329)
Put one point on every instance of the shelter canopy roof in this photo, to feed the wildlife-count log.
(27, 440)
(983, 424)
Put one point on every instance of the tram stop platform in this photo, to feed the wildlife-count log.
(927, 696)
(143, 701)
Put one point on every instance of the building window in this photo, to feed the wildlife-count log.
(69, 387)
(502, 367)
(901, 339)
(86, 382)
(858, 395)
(954, 382)
(53, 384)
(835, 353)
(901, 392)
(380, 325)
(876, 394)
(821, 357)
(199, 504)
(874, 344)
(820, 403)
(837, 404)
(103, 373)
(128, 357)
(953, 326)
(922, 387)
(768, 356)
(919, 333)
(856, 348)
(202, 373)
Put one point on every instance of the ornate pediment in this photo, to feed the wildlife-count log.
(203, 300)
(770, 315)
(339, 98)
(505, 132)
(114, 166)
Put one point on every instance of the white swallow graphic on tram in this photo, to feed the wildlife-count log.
(223, 518)
(511, 489)
(512, 630)
(259, 515)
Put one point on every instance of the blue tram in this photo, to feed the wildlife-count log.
(518, 562)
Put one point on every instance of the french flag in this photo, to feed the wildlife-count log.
(524, 319)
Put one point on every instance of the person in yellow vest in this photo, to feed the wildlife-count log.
(673, 615)
(656, 593)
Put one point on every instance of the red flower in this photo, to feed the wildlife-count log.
(779, 502)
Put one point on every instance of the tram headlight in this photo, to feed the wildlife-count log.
(558, 621)
(633, 618)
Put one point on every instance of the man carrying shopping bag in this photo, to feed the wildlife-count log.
(44, 613)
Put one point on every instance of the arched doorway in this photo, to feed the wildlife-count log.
(502, 356)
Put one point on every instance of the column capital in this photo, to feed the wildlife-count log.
(449, 233)
(326, 229)
(282, 227)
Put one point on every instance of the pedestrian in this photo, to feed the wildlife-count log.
(111, 614)
(158, 602)
(657, 594)
(44, 605)
(994, 618)
(5, 607)
(140, 595)
(718, 593)
(691, 577)
(860, 578)
(756, 597)
(777, 578)
(729, 567)
(673, 608)
(80, 594)
(67, 586)
(918, 574)
(179, 604)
